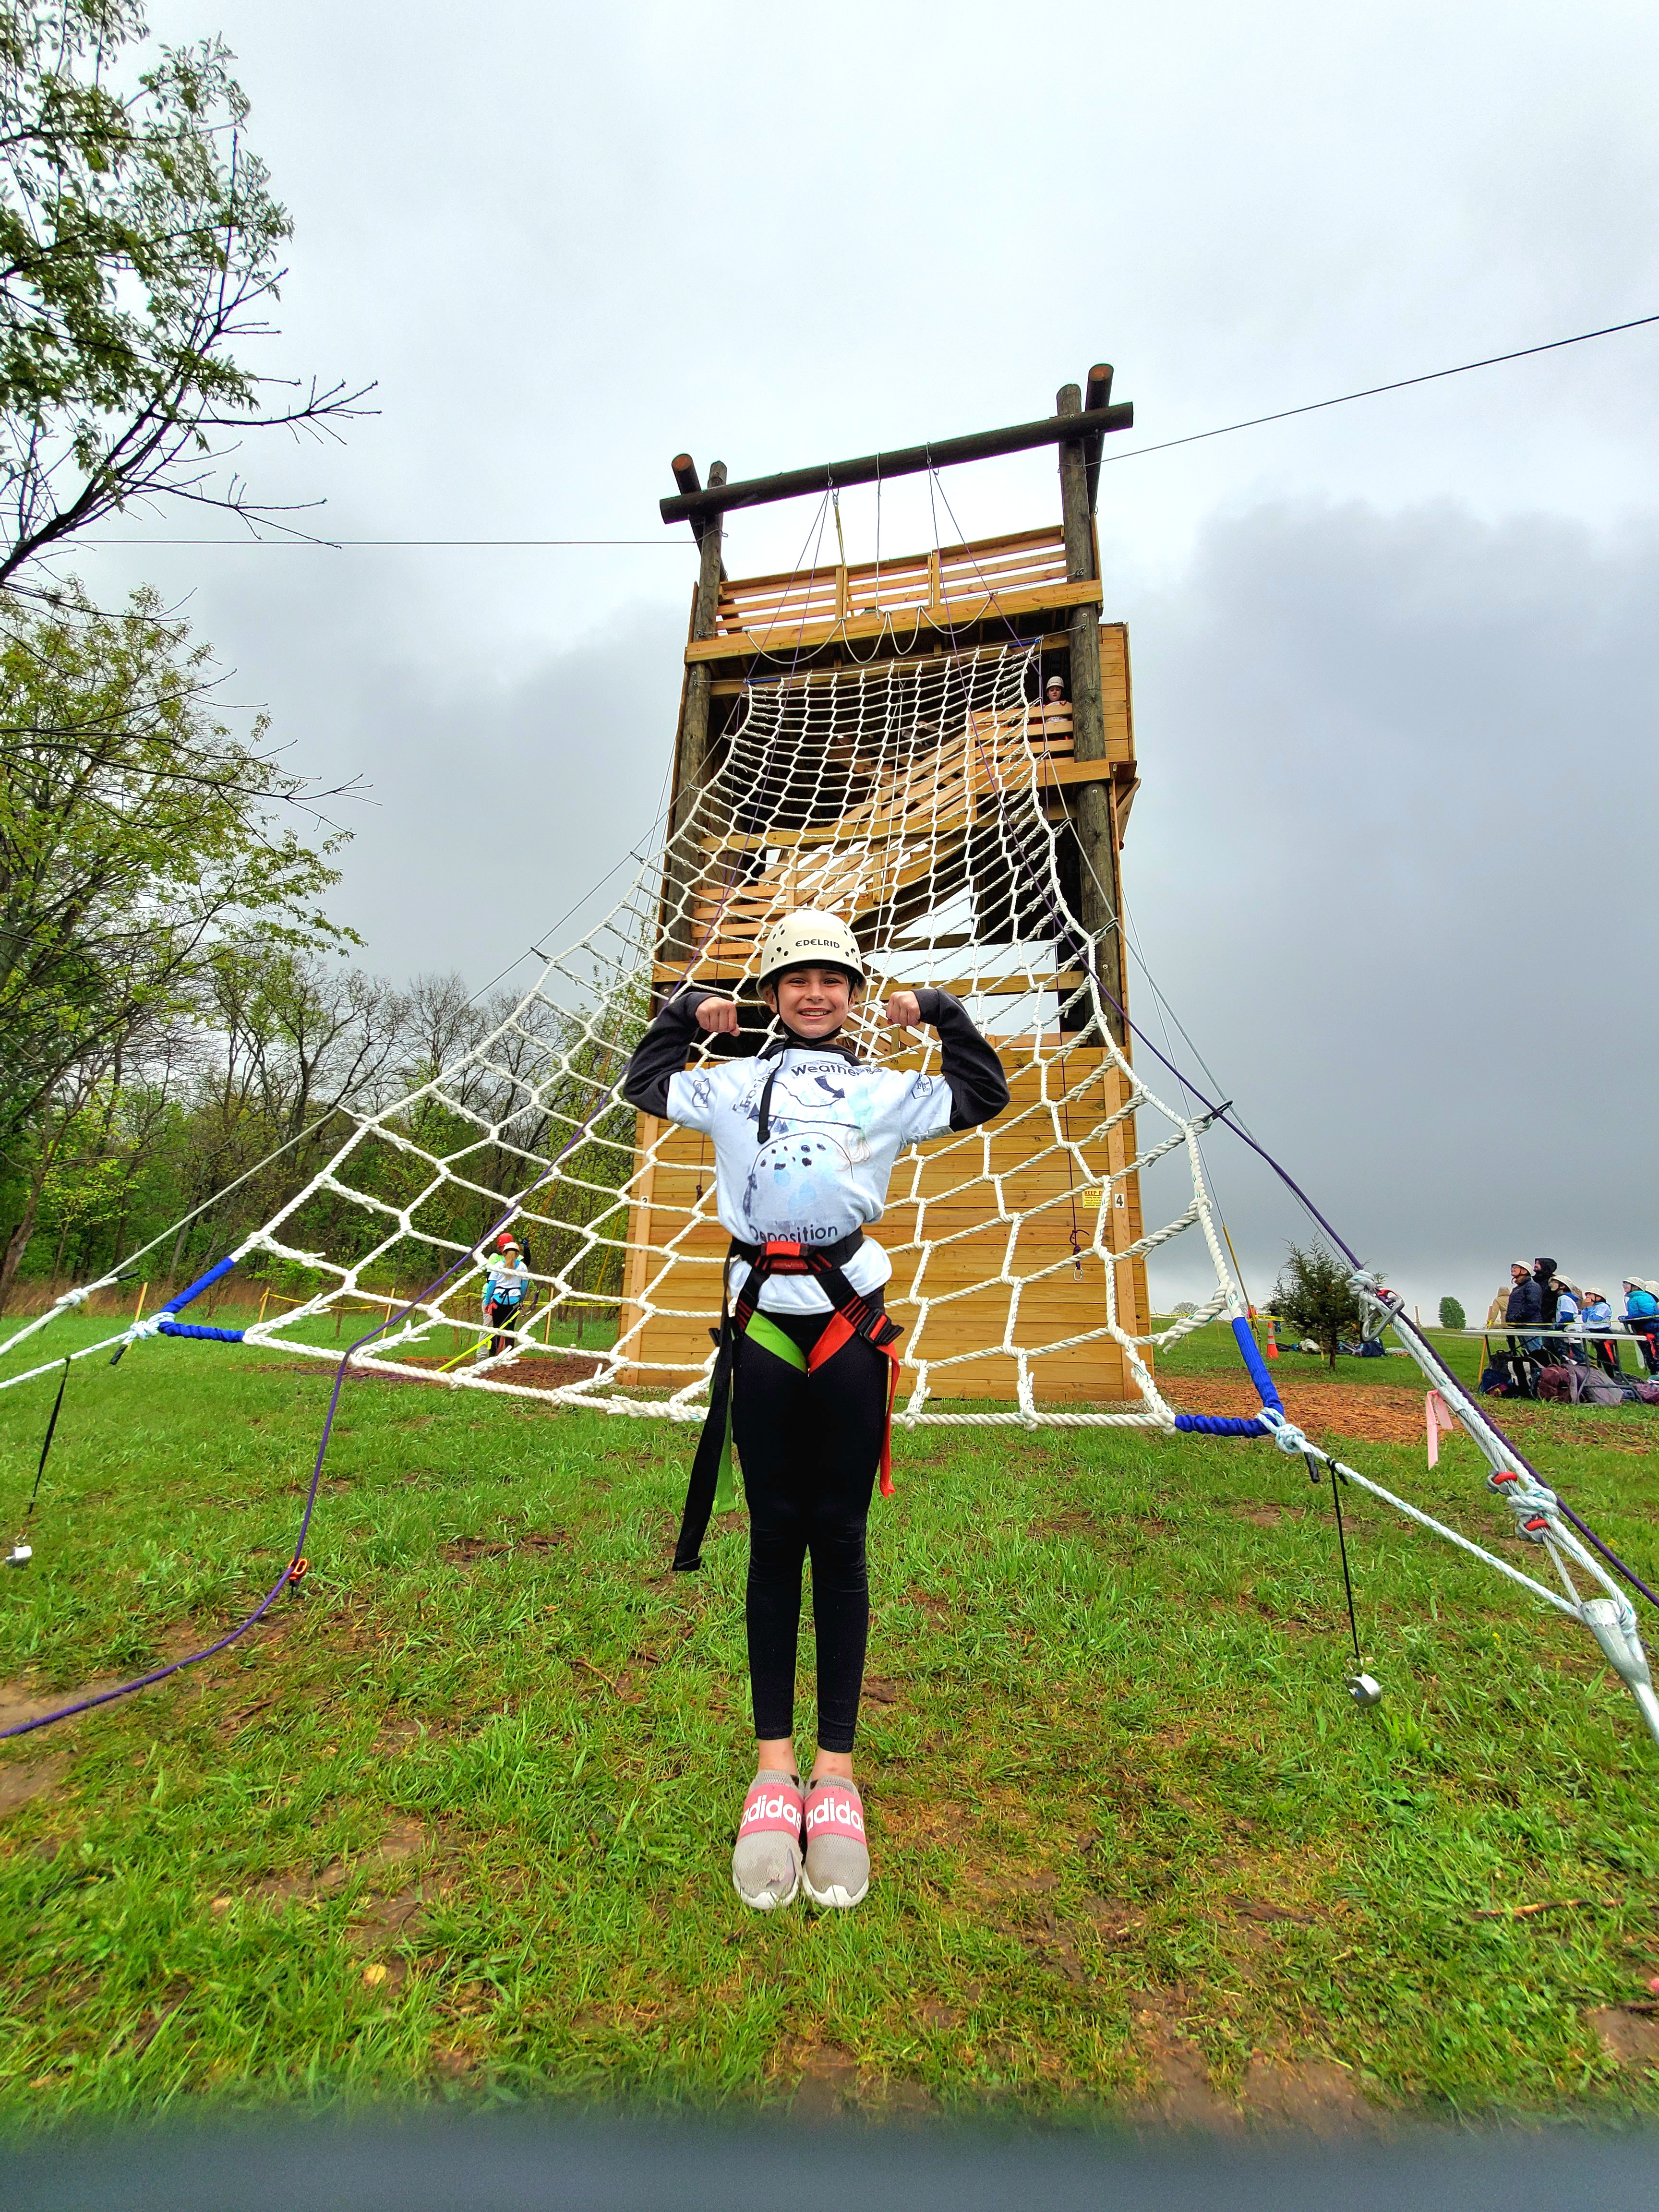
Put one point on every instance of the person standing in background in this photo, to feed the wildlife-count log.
(1497, 1311)
(1525, 1304)
(507, 1279)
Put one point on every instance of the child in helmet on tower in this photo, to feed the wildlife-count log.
(805, 1136)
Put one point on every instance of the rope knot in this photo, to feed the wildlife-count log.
(1286, 1435)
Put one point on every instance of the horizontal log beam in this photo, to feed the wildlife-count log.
(906, 461)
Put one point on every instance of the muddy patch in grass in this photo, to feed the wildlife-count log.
(1262, 1909)
(1628, 2033)
(466, 1551)
(1310, 2095)
(1375, 1413)
(826, 2084)
(22, 1700)
(24, 1780)
(1070, 1527)
(1183, 2096)
(400, 1732)
(928, 1601)
(405, 1839)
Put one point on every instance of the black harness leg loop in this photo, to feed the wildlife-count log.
(711, 1445)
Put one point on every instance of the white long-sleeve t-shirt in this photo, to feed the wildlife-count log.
(835, 1126)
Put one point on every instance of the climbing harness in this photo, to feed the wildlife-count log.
(711, 1489)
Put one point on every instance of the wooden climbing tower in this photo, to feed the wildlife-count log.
(1041, 584)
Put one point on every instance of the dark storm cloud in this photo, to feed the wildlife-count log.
(1392, 864)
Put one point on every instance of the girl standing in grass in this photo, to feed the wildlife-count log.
(806, 1137)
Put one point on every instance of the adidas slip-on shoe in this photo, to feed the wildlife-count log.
(766, 1859)
(837, 1869)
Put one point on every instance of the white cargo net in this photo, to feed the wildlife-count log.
(913, 797)
(914, 800)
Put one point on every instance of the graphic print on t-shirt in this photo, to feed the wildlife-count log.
(813, 1097)
(796, 1188)
(834, 1128)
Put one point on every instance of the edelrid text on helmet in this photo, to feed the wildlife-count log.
(810, 938)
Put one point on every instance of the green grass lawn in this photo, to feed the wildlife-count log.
(456, 1822)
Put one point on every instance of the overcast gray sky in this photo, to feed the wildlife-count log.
(1393, 664)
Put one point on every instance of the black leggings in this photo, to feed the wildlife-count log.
(809, 1446)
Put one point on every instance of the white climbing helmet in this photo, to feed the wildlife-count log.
(810, 938)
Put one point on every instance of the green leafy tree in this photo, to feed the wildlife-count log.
(1451, 1314)
(1313, 1294)
(140, 249)
(137, 833)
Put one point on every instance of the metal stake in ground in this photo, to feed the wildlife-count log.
(21, 1553)
(1364, 1689)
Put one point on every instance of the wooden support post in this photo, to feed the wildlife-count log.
(1091, 813)
(1098, 395)
(691, 762)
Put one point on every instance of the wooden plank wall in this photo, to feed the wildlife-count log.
(947, 1230)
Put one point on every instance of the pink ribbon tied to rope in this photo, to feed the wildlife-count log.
(1438, 1415)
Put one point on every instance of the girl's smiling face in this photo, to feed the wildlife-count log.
(813, 1002)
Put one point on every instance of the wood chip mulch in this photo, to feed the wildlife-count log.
(1375, 1412)
(1383, 1413)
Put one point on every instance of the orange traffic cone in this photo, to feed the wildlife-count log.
(1272, 1341)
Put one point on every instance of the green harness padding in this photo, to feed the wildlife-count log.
(770, 1338)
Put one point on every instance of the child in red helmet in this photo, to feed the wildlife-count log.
(507, 1285)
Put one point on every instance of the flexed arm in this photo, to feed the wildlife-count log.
(659, 1056)
(979, 1089)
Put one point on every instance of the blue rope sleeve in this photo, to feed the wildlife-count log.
(189, 1328)
(1217, 1425)
(203, 1283)
(1258, 1366)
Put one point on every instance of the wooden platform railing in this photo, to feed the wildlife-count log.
(954, 576)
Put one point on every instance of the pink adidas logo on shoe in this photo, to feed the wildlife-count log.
(767, 1811)
(834, 1809)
